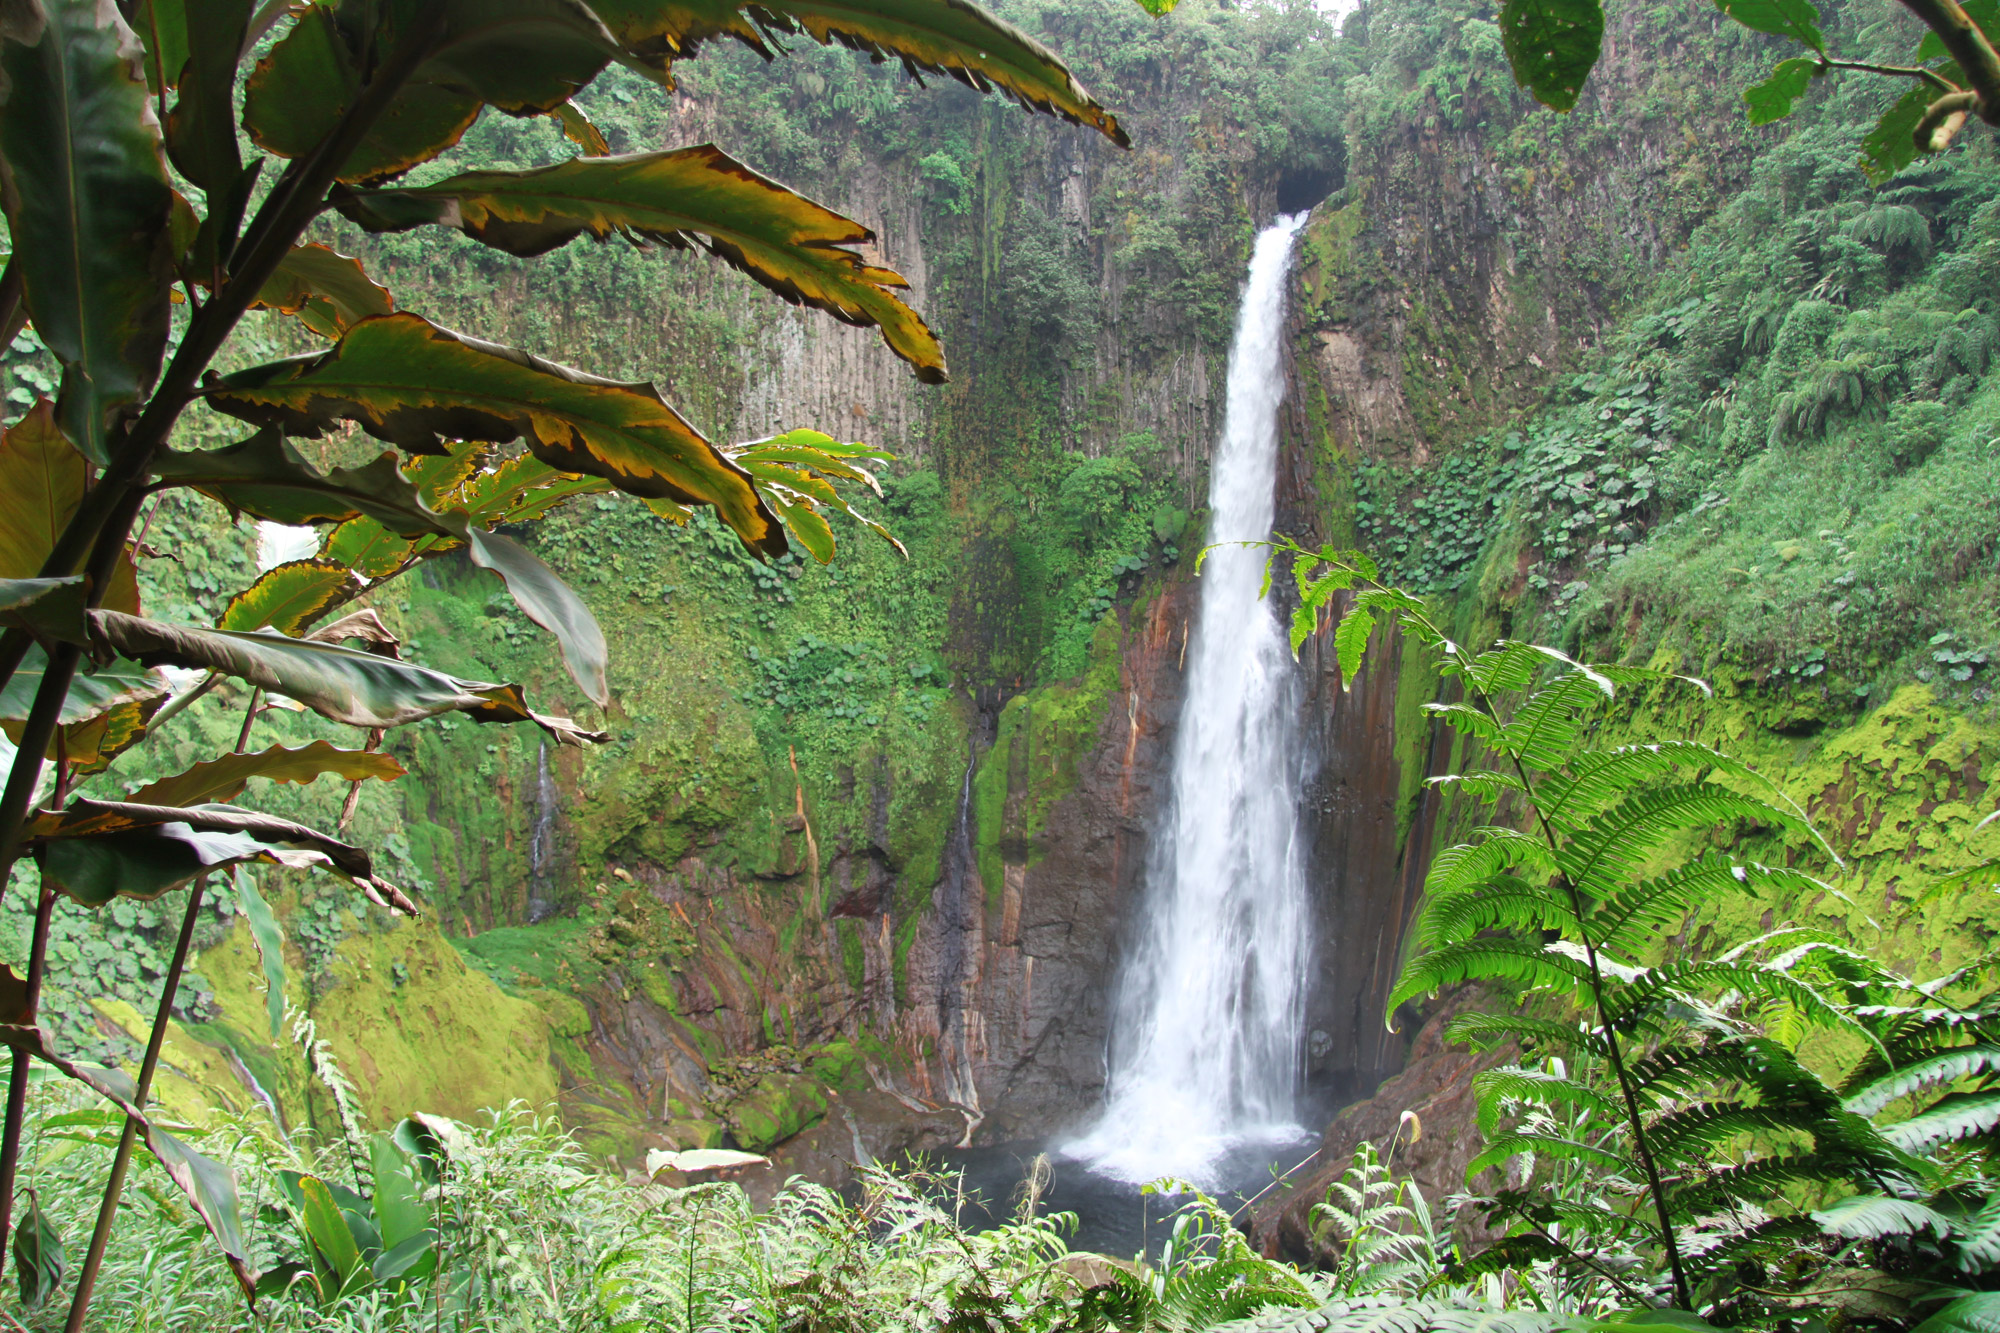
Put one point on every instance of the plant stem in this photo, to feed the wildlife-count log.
(107, 1216)
(1968, 46)
(17, 1085)
(249, 719)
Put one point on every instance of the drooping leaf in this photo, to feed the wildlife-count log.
(547, 601)
(1874, 1216)
(269, 937)
(798, 474)
(289, 597)
(411, 383)
(225, 778)
(344, 684)
(88, 204)
(1552, 45)
(98, 850)
(201, 128)
(49, 608)
(366, 547)
(162, 26)
(38, 1255)
(94, 690)
(952, 37)
(1774, 98)
(522, 56)
(1951, 1119)
(793, 246)
(1796, 19)
(328, 290)
(265, 477)
(45, 483)
(1890, 147)
(1350, 641)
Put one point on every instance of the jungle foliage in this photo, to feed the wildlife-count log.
(113, 122)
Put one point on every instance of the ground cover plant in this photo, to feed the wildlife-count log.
(114, 123)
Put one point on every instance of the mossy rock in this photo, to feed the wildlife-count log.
(194, 1080)
(566, 1015)
(779, 1106)
(839, 1065)
(688, 1134)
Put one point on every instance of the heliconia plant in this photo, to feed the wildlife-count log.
(163, 153)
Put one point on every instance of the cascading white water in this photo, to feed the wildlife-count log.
(1206, 1030)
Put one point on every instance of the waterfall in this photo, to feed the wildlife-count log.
(1205, 1032)
(541, 840)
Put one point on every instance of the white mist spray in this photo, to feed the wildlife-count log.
(1207, 1025)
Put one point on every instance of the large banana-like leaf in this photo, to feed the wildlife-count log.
(93, 691)
(46, 477)
(87, 206)
(411, 383)
(265, 477)
(201, 129)
(289, 597)
(547, 601)
(327, 290)
(951, 37)
(796, 473)
(224, 779)
(344, 684)
(523, 56)
(790, 244)
(95, 851)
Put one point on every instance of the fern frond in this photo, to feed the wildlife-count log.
(1500, 903)
(1978, 1246)
(1635, 914)
(1546, 731)
(1760, 1179)
(1209, 1294)
(1598, 779)
(1477, 723)
(1763, 1064)
(1499, 851)
(1771, 1236)
(1663, 985)
(1483, 784)
(1874, 1216)
(1509, 1146)
(1393, 1314)
(1610, 850)
(1485, 1031)
(1953, 1118)
(1932, 1071)
(1493, 1087)
(1513, 664)
(1522, 962)
(1688, 1135)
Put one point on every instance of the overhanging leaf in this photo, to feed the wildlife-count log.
(45, 483)
(87, 205)
(201, 129)
(93, 691)
(951, 37)
(1890, 147)
(793, 246)
(344, 684)
(289, 597)
(38, 1255)
(50, 608)
(526, 57)
(1796, 19)
(265, 477)
(224, 779)
(1552, 45)
(328, 290)
(548, 601)
(269, 938)
(411, 383)
(91, 745)
(1774, 97)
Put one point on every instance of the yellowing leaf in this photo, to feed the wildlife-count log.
(224, 779)
(795, 247)
(337, 281)
(45, 478)
(288, 597)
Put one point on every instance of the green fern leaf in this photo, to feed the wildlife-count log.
(1512, 664)
(1350, 641)
(1635, 915)
(1932, 1071)
(1485, 1031)
(1517, 961)
(1546, 731)
(1977, 1312)
(1876, 1216)
(1688, 1135)
(1498, 851)
(1502, 903)
(1760, 1179)
(1953, 1118)
(1493, 1087)
(1598, 779)
(1477, 723)
(1509, 1146)
(1484, 784)
(1607, 853)
(1978, 1246)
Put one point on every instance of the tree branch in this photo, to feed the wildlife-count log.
(1969, 47)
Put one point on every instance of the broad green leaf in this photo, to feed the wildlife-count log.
(1774, 97)
(225, 778)
(547, 601)
(399, 1205)
(1552, 45)
(578, 129)
(343, 684)
(87, 205)
(1796, 19)
(795, 247)
(327, 290)
(51, 608)
(327, 1226)
(436, 477)
(98, 850)
(265, 477)
(269, 938)
(38, 1255)
(45, 483)
(951, 37)
(162, 26)
(201, 128)
(520, 490)
(411, 383)
(1890, 146)
(411, 1260)
(289, 597)
(93, 691)
(366, 547)
(526, 57)
(1978, 1312)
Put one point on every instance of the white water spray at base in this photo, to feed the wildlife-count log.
(1205, 1033)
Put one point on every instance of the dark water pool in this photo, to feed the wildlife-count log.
(1113, 1216)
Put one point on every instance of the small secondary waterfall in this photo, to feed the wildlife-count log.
(1205, 1035)
(541, 840)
